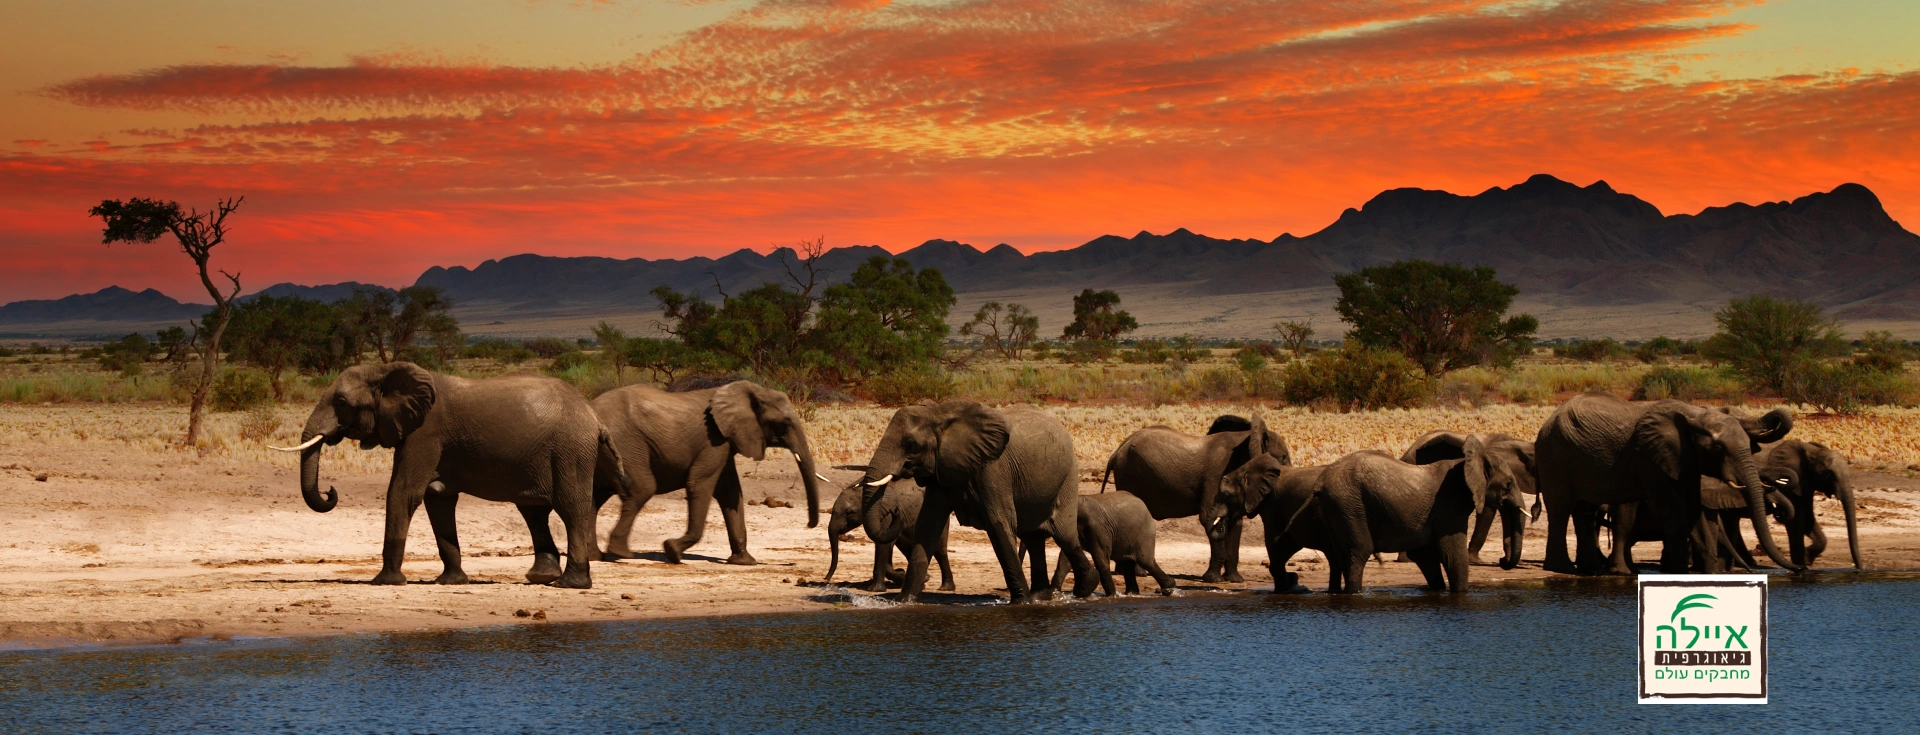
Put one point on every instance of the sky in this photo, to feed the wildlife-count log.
(372, 140)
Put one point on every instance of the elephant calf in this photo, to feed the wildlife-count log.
(889, 522)
(1285, 499)
(1118, 531)
(1372, 502)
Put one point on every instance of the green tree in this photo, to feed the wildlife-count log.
(197, 232)
(1003, 328)
(1440, 315)
(1097, 323)
(613, 346)
(278, 334)
(1764, 339)
(665, 359)
(129, 355)
(1294, 336)
(414, 324)
(174, 344)
(886, 317)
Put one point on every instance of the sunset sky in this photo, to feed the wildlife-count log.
(375, 139)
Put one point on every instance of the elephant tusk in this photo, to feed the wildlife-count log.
(823, 478)
(881, 481)
(310, 442)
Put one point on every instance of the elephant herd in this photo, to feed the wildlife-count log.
(1665, 470)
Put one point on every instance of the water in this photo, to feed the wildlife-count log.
(1542, 657)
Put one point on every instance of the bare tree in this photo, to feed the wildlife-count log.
(1294, 335)
(1003, 328)
(145, 220)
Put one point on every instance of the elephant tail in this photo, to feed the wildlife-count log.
(1109, 472)
(607, 465)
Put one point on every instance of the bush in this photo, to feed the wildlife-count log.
(1352, 378)
(1087, 350)
(907, 386)
(1593, 350)
(1687, 384)
(1847, 387)
(1661, 348)
(238, 389)
(570, 360)
(550, 348)
(1765, 339)
(500, 350)
(260, 423)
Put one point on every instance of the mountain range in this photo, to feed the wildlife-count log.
(1566, 246)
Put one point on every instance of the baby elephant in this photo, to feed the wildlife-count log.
(1116, 527)
(889, 523)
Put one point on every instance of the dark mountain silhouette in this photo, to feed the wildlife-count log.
(329, 292)
(1577, 246)
(110, 304)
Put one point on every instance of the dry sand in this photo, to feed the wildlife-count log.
(126, 541)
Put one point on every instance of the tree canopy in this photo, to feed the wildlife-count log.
(1764, 339)
(1096, 318)
(1440, 315)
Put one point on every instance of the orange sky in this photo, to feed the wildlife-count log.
(375, 139)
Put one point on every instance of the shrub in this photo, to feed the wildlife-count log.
(1087, 350)
(260, 422)
(1764, 339)
(1660, 348)
(1593, 350)
(910, 385)
(570, 360)
(550, 348)
(238, 389)
(1686, 384)
(500, 350)
(1354, 377)
(1847, 387)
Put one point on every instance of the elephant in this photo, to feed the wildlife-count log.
(1010, 472)
(1716, 539)
(1598, 449)
(687, 440)
(1118, 531)
(1370, 501)
(1285, 499)
(529, 440)
(1501, 470)
(1178, 475)
(1821, 470)
(889, 522)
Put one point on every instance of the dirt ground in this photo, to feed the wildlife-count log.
(102, 543)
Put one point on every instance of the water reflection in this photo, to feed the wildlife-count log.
(1539, 656)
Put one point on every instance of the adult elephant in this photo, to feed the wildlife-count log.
(1010, 472)
(1820, 470)
(1370, 502)
(687, 440)
(1502, 473)
(1178, 475)
(890, 522)
(1598, 449)
(1285, 499)
(1716, 538)
(524, 439)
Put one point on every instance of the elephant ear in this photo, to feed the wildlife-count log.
(405, 393)
(971, 436)
(735, 410)
(1718, 495)
(1435, 447)
(1256, 436)
(1474, 451)
(1529, 472)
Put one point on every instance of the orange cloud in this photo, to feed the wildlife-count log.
(1037, 124)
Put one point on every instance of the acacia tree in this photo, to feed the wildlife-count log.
(1096, 319)
(1294, 336)
(1003, 328)
(1440, 315)
(145, 220)
(1765, 339)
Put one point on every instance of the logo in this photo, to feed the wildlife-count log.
(1703, 639)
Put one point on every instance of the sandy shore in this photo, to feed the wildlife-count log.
(105, 544)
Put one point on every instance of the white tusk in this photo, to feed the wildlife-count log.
(881, 481)
(823, 478)
(310, 442)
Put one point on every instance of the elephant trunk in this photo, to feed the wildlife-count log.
(809, 476)
(833, 542)
(1482, 525)
(1515, 532)
(1845, 491)
(323, 425)
(1755, 491)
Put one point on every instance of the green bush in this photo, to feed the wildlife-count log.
(570, 360)
(500, 350)
(240, 388)
(1593, 350)
(1661, 348)
(1354, 378)
(1848, 387)
(1687, 384)
(550, 348)
(907, 386)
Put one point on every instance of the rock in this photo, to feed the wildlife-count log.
(520, 613)
(625, 596)
(539, 615)
(778, 503)
(42, 477)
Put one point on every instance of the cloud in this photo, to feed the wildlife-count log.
(1038, 123)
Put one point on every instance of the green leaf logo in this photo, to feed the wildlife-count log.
(1690, 602)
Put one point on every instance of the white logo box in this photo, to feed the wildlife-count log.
(1703, 638)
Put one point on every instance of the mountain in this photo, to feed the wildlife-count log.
(329, 292)
(112, 304)
(1588, 260)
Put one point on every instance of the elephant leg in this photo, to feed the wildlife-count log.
(1279, 552)
(946, 569)
(1001, 534)
(1586, 533)
(1730, 528)
(700, 489)
(619, 539)
(727, 493)
(440, 514)
(1129, 572)
(1797, 545)
(1676, 539)
(1160, 576)
(573, 500)
(1231, 552)
(1455, 560)
(935, 511)
(1216, 555)
(1620, 557)
(1427, 558)
(1060, 570)
(546, 555)
(1036, 544)
(882, 567)
(1066, 533)
(1557, 559)
(405, 490)
(1816, 538)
